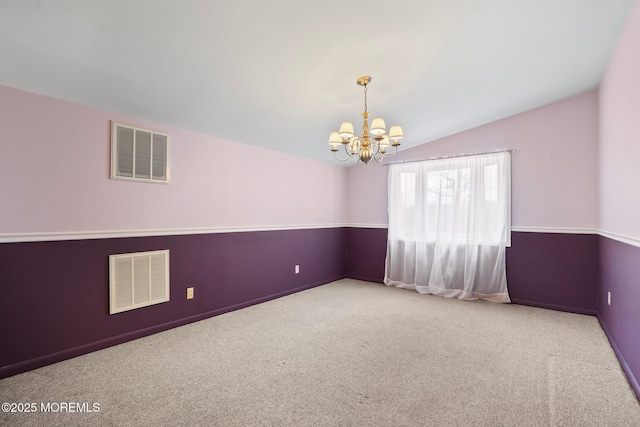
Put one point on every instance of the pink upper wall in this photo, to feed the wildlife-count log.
(54, 177)
(620, 134)
(554, 168)
(54, 174)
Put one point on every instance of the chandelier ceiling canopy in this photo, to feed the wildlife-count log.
(374, 142)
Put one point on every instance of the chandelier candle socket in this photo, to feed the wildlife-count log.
(374, 142)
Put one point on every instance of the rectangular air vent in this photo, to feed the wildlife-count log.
(138, 280)
(139, 154)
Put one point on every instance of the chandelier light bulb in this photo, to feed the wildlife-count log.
(378, 127)
(395, 133)
(335, 139)
(346, 130)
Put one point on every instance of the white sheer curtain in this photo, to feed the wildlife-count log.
(449, 225)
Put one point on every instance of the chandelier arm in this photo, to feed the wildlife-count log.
(395, 150)
(355, 156)
(335, 153)
(377, 155)
(346, 150)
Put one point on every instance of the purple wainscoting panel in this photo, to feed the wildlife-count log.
(366, 253)
(55, 301)
(548, 270)
(553, 270)
(620, 275)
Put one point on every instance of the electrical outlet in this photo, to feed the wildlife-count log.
(297, 269)
(189, 293)
(609, 298)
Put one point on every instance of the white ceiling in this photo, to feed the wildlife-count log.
(282, 73)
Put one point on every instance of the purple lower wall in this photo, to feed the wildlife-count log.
(366, 252)
(548, 270)
(554, 270)
(620, 275)
(55, 302)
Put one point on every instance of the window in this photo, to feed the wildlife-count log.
(457, 199)
(490, 181)
(139, 154)
(449, 226)
(408, 188)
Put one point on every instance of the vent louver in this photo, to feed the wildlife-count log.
(139, 154)
(138, 280)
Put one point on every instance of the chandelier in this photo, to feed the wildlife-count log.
(374, 142)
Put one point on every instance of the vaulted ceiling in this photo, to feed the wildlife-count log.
(282, 74)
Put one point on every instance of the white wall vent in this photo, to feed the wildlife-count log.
(138, 280)
(139, 154)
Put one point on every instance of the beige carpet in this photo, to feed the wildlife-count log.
(348, 353)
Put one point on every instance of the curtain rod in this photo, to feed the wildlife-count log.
(479, 153)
